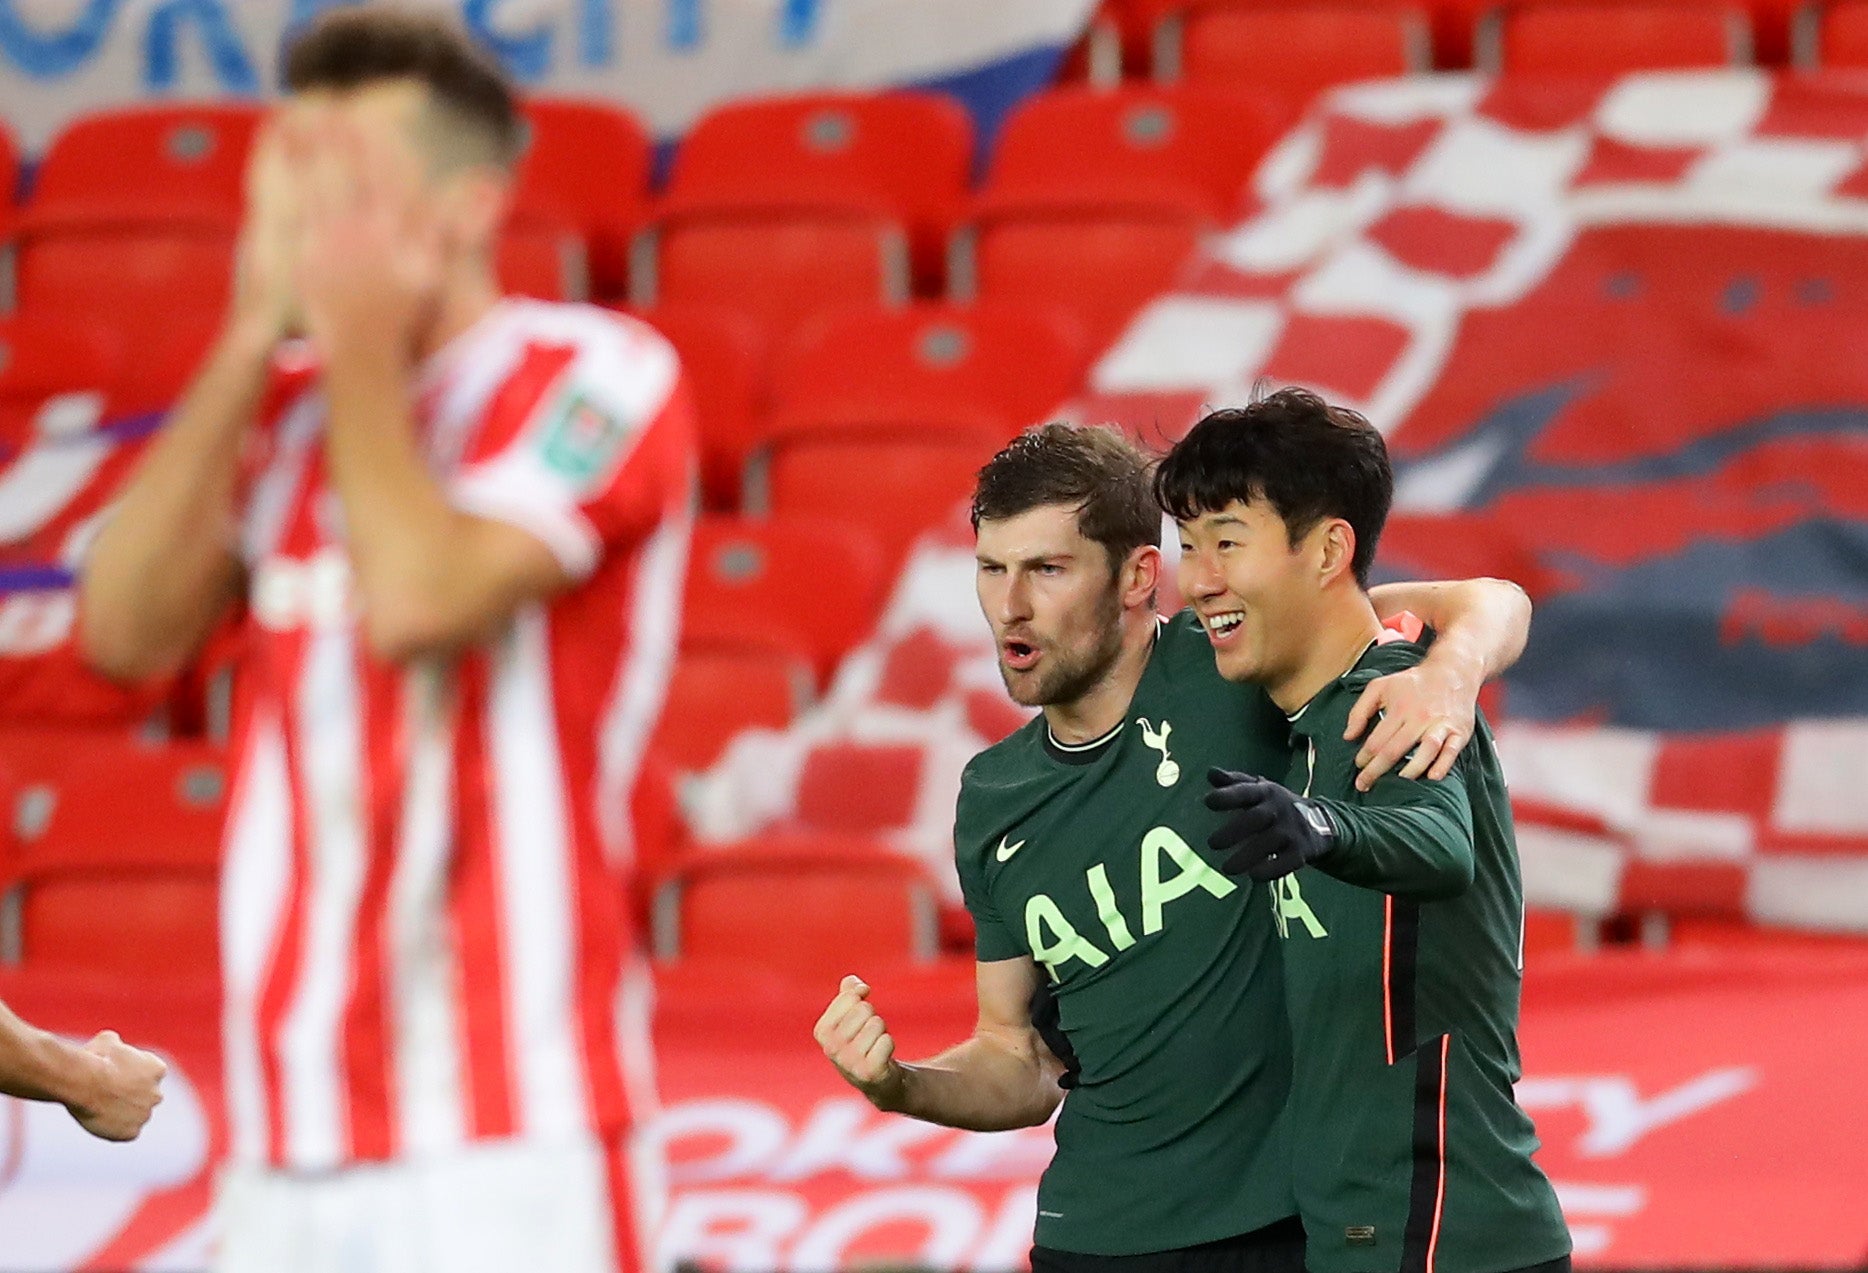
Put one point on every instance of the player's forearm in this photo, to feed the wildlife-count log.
(405, 540)
(982, 1085)
(1480, 625)
(1418, 852)
(165, 565)
(36, 1065)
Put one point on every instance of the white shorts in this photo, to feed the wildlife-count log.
(491, 1207)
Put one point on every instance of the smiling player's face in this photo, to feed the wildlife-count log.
(1254, 590)
(1053, 601)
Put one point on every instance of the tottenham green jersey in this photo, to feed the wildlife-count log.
(1090, 860)
(1402, 958)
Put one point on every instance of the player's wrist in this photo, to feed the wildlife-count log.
(70, 1075)
(890, 1093)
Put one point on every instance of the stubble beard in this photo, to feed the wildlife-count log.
(1067, 678)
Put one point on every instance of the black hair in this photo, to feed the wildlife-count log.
(1308, 459)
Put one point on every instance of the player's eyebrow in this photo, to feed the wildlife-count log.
(1036, 559)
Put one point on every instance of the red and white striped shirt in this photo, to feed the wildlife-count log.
(422, 926)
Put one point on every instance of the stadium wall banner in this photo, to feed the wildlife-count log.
(668, 60)
(1696, 1111)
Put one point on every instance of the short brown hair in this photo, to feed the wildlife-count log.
(1093, 469)
(361, 45)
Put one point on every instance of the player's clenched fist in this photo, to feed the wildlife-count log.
(857, 1042)
(126, 1087)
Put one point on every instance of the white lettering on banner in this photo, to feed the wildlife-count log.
(741, 1230)
(849, 1134)
(752, 1134)
(1583, 1204)
(669, 60)
(1618, 1117)
(1022, 1154)
(758, 1230)
(951, 1218)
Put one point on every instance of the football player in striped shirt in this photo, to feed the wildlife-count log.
(458, 521)
(1399, 911)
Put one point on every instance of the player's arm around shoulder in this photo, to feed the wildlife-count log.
(1422, 717)
(1409, 834)
(1001, 1078)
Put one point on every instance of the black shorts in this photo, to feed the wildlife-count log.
(1276, 1248)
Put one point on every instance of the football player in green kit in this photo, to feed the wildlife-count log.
(1399, 910)
(1077, 841)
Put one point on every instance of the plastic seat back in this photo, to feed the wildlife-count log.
(809, 587)
(1295, 52)
(997, 362)
(1187, 147)
(719, 691)
(587, 166)
(1596, 39)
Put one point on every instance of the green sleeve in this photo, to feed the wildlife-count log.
(992, 941)
(1410, 837)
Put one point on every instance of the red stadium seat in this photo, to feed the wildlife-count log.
(860, 788)
(117, 850)
(1184, 148)
(808, 588)
(774, 267)
(544, 261)
(1832, 35)
(1002, 365)
(724, 356)
(806, 907)
(720, 690)
(1097, 265)
(134, 212)
(894, 487)
(1294, 52)
(905, 155)
(149, 164)
(41, 359)
(168, 357)
(1559, 37)
(587, 166)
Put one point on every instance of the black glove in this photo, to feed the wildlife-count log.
(1045, 1019)
(1273, 831)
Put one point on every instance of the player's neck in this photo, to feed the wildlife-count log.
(1335, 639)
(1102, 707)
(467, 299)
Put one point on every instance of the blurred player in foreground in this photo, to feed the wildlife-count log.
(460, 524)
(1402, 944)
(110, 1087)
(1075, 845)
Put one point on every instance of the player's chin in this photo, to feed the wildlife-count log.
(1235, 662)
(1023, 685)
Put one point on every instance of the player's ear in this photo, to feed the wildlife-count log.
(1140, 577)
(481, 199)
(1336, 550)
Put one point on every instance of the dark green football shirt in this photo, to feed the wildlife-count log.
(1092, 860)
(1402, 957)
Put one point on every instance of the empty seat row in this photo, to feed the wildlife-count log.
(1297, 49)
(110, 851)
(776, 208)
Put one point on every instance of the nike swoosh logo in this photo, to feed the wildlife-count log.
(1007, 850)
